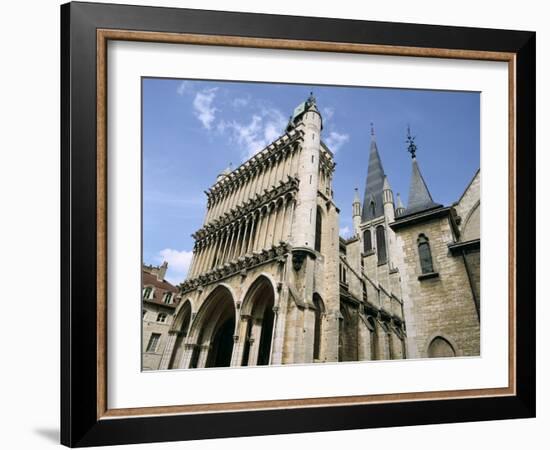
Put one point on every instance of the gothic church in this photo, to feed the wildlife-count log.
(272, 282)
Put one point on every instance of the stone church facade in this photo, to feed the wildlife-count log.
(272, 282)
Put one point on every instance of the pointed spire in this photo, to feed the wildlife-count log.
(420, 198)
(356, 198)
(356, 205)
(386, 184)
(400, 208)
(387, 193)
(373, 205)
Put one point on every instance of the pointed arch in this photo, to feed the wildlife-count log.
(180, 326)
(212, 331)
(257, 310)
(425, 254)
(317, 330)
(381, 244)
(367, 241)
(440, 348)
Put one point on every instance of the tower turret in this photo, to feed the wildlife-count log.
(387, 196)
(308, 120)
(400, 208)
(356, 212)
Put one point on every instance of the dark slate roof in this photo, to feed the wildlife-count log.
(420, 198)
(374, 185)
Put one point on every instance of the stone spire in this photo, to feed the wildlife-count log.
(356, 203)
(400, 208)
(420, 198)
(373, 205)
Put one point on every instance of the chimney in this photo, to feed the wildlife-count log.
(162, 271)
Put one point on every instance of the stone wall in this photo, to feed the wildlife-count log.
(443, 304)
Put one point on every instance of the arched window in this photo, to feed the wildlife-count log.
(372, 208)
(318, 229)
(319, 310)
(425, 254)
(381, 244)
(367, 241)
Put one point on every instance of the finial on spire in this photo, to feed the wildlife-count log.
(411, 144)
(311, 99)
(356, 198)
(372, 128)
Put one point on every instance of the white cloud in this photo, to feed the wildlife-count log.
(203, 109)
(240, 102)
(328, 113)
(263, 128)
(182, 87)
(336, 140)
(344, 231)
(178, 264)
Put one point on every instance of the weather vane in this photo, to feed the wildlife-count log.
(410, 141)
(372, 128)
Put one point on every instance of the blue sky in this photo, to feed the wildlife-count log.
(192, 130)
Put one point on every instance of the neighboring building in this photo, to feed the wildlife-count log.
(271, 281)
(159, 302)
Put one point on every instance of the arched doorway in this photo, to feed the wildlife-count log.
(440, 348)
(181, 327)
(258, 312)
(212, 331)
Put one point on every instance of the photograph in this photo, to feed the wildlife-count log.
(307, 224)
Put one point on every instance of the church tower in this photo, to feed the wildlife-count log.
(378, 211)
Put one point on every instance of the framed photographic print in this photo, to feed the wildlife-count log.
(277, 224)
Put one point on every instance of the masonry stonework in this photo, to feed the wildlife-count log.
(272, 282)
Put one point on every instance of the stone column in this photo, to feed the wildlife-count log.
(268, 221)
(278, 234)
(251, 184)
(242, 251)
(251, 237)
(230, 240)
(364, 347)
(238, 345)
(234, 253)
(199, 258)
(193, 261)
(168, 350)
(205, 349)
(288, 221)
(255, 341)
(287, 160)
(259, 188)
(382, 343)
(224, 248)
(259, 226)
(212, 252)
(271, 236)
(187, 355)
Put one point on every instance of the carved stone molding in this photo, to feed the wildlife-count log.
(230, 268)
